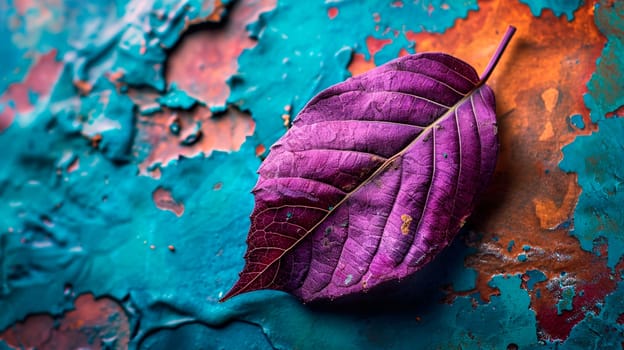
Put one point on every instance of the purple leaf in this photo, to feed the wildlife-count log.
(375, 177)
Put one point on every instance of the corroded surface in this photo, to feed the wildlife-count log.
(131, 132)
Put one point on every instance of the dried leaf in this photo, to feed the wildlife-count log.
(375, 177)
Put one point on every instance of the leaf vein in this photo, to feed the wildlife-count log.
(311, 180)
(415, 126)
(341, 150)
(394, 201)
(290, 206)
(453, 71)
(428, 196)
(433, 79)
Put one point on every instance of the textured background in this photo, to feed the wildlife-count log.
(131, 131)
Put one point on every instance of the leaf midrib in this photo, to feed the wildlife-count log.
(366, 181)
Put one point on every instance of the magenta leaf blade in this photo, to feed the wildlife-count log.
(375, 177)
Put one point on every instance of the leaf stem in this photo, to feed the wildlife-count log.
(497, 55)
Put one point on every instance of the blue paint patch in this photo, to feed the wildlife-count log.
(565, 302)
(577, 121)
(176, 98)
(535, 276)
(196, 335)
(558, 7)
(597, 161)
(526, 247)
(510, 245)
(32, 97)
(150, 109)
(522, 258)
(596, 158)
(605, 94)
(175, 127)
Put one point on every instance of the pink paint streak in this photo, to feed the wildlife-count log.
(40, 79)
(164, 201)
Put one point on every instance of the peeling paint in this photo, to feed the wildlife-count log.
(95, 96)
(558, 7)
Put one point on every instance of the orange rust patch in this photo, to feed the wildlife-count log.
(260, 149)
(95, 140)
(200, 66)
(359, 64)
(205, 59)
(548, 132)
(617, 113)
(217, 12)
(551, 213)
(406, 221)
(375, 45)
(164, 201)
(332, 12)
(550, 97)
(87, 326)
(83, 86)
(225, 133)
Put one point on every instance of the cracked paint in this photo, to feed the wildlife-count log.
(95, 97)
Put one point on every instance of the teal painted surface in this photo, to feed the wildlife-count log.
(510, 245)
(97, 36)
(451, 326)
(47, 26)
(577, 121)
(535, 276)
(200, 336)
(176, 98)
(96, 241)
(596, 158)
(598, 163)
(565, 303)
(92, 229)
(605, 91)
(558, 7)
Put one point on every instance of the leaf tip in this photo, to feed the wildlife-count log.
(238, 288)
(232, 293)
